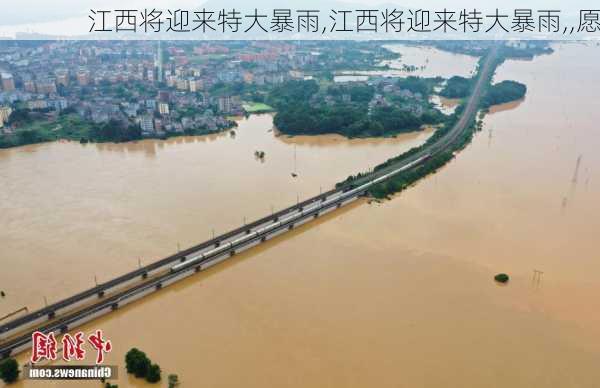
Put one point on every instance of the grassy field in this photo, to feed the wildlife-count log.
(69, 126)
(257, 107)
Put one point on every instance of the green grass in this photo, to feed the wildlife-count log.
(70, 127)
(257, 107)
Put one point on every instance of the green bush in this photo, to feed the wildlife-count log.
(501, 278)
(457, 87)
(153, 375)
(137, 362)
(9, 370)
(173, 380)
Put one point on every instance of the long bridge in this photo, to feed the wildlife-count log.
(64, 315)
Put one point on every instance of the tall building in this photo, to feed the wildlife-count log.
(225, 104)
(163, 108)
(29, 85)
(159, 63)
(182, 84)
(62, 78)
(83, 77)
(195, 85)
(8, 83)
(147, 125)
(5, 112)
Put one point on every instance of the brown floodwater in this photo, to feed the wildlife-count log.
(427, 62)
(73, 214)
(396, 294)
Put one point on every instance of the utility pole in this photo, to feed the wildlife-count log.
(537, 277)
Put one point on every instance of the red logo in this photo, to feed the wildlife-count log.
(72, 347)
(100, 345)
(44, 346)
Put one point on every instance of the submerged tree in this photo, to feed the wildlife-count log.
(9, 370)
(153, 375)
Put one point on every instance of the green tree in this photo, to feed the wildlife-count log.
(457, 87)
(173, 380)
(153, 375)
(9, 370)
(137, 362)
(503, 92)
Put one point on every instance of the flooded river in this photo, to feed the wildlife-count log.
(397, 294)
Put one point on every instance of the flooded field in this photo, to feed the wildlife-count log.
(397, 294)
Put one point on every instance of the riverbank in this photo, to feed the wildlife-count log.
(72, 128)
(463, 121)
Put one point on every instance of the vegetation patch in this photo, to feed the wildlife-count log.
(354, 109)
(501, 278)
(457, 87)
(404, 179)
(139, 364)
(9, 370)
(257, 107)
(503, 92)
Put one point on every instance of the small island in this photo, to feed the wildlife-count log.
(378, 107)
(504, 92)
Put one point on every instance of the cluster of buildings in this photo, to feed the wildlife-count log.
(161, 87)
(387, 90)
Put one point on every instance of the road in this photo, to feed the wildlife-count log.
(77, 309)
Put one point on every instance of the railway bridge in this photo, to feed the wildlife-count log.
(64, 315)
